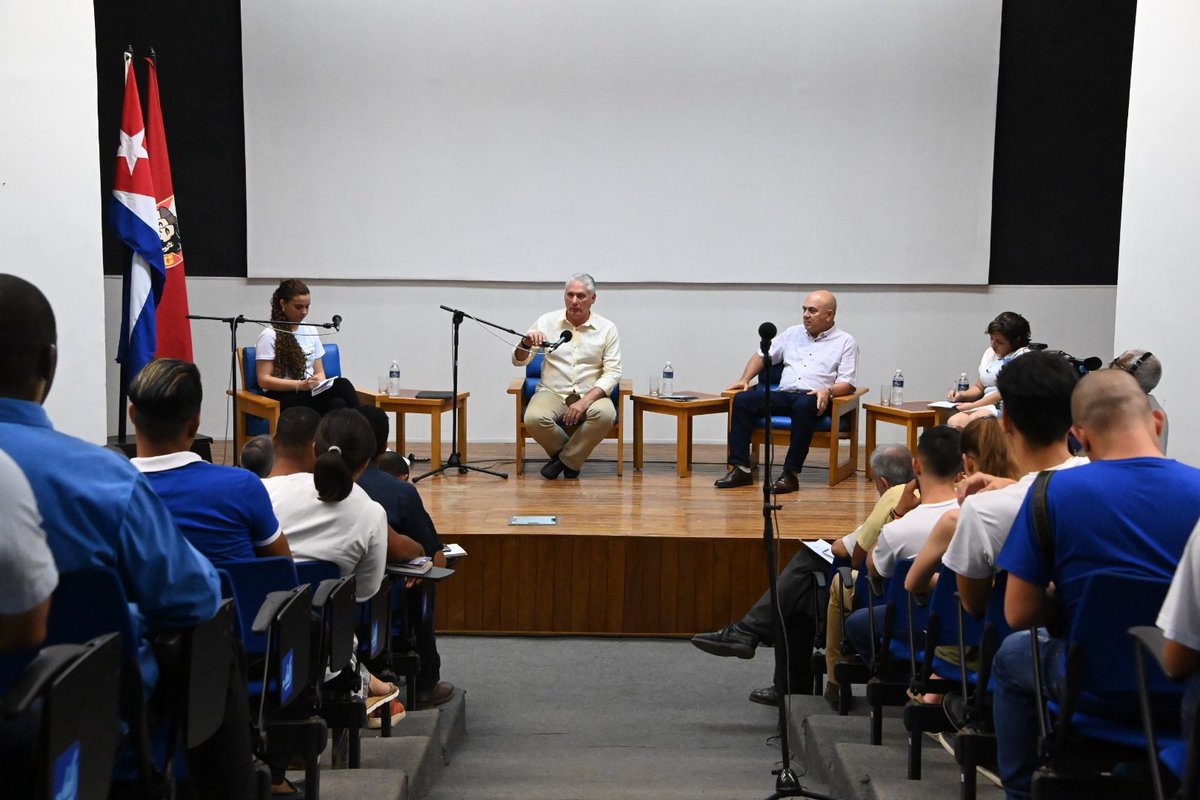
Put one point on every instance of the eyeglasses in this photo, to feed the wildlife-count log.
(1133, 367)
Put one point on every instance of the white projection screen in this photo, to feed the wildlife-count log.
(695, 141)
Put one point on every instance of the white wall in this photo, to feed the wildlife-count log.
(1160, 232)
(49, 191)
(708, 333)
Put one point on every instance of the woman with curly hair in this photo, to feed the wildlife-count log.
(289, 356)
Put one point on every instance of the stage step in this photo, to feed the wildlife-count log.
(404, 766)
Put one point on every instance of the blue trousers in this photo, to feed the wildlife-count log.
(751, 406)
(858, 629)
(1015, 705)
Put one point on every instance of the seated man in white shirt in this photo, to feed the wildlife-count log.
(1037, 390)
(26, 566)
(938, 464)
(820, 361)
(577, 379)
(1180, 623)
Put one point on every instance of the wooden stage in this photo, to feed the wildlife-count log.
(647, 554)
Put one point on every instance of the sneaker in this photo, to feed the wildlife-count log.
(375, 720)
(375, 701)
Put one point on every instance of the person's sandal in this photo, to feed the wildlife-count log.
(377, 700)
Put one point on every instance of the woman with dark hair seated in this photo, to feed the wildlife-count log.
(288, 356)
(1009, 334)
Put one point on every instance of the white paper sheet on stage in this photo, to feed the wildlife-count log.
(831, 141)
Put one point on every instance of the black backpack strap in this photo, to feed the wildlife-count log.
(1043, 528)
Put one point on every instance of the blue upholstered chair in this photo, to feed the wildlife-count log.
(523, 389)
(843, 409)
(258, 414)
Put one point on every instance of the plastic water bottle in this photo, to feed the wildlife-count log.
(963, 383)
(668, 381)
(897, 397)
(394, 380)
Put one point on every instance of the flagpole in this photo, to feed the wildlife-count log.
(122, 392)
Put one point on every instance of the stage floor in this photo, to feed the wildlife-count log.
(648, 553)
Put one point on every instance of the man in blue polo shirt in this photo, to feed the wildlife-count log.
(225, 512)
(1130, 510)
(98, 511)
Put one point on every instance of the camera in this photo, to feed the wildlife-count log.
(1082, 365)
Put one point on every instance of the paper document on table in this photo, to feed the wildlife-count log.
(943, 404)
(822, 548)
(323, 385)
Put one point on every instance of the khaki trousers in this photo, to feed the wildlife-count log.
(543, 419)
(839, 597)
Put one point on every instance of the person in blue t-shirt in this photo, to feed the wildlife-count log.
(406, 515)
(1130, 510)
(224, 512)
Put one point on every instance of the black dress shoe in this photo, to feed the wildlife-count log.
(788, 482)
(736, 477)
(569, 473)
(729, 641)
(766, 696)
(553, 469)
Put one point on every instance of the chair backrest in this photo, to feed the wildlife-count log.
(88, 603)
(285, 617)
(533, 377)
(313, 572)
(331, 361)
(208, 660)
(375, 623)
(79, 731)
(252, 580)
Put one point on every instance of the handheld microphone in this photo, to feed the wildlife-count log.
(563, 338)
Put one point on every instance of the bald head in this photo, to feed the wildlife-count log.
(820, 308)
(29, 355)
(1110, 402)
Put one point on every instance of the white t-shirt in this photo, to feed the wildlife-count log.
(984, 523)
(1180, 614)
(903, 539)
(351, 534)
(306, 336)
(27, 570)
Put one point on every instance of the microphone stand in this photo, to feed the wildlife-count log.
(455, 460)
(786, 782)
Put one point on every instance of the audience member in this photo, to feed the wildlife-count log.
(406, 515)
(892, 467)
(1037, 417)
(937, 465)
(985, 450)
(1180, 623)
(294, 440)
(394, 464)
(1146, 369)
(1144, 504)
(1010, 336)
(819, 363)
(224, 512)
(27, 570)
(577, 379)
(99, 511)
(289, 356)
(258, 455)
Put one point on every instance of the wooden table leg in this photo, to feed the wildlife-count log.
(637, 435)
(870, 443)
(435, 437)
(400, 443)
(462, 430)
(913, 427)
(683, 442)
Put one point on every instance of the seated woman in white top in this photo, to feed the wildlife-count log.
(289, 354)
(1010, 334)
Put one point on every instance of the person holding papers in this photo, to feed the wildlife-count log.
(288, 356)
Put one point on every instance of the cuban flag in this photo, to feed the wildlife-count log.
(134, 215)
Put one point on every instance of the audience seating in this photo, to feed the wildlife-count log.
(843, 409)
(1096, 723)
(896, 661)
(523, 388)
(854, 667)
(79, 726)
(258, 414)
(1177, 754)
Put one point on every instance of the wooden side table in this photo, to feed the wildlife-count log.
(408, 403)
(913, 416)
(684, 412)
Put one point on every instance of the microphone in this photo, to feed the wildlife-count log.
(563, 338)
(336, 324)
(767, 331)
